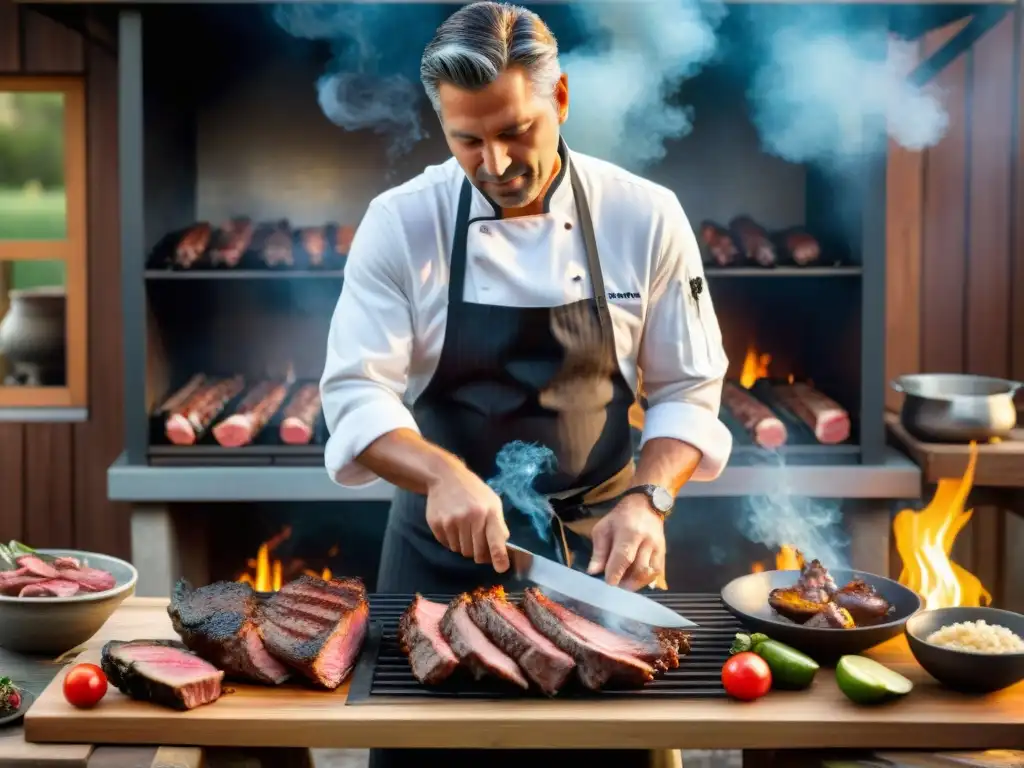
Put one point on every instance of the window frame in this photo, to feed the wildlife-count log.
(72, 249)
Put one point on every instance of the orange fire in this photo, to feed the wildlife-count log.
(786, 559)
(755, 366)
(925, 540)
(266, 574)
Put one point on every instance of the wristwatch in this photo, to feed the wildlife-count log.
(661, 500)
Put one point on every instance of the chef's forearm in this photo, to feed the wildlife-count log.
(404, 458)
(667, 462)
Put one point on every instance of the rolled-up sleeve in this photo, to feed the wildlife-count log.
(682, 358)
(368, 350)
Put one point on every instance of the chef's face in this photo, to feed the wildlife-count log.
(505, 136)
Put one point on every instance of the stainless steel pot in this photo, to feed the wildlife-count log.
(957, 408)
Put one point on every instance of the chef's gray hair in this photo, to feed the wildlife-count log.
(480, 41)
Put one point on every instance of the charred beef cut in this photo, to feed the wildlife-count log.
(544, 663)
(754, 241)
(419, 636)
(717, 245)
(193, 413)
(601, 656)
(252, 414)
(828, 419)
(218, 622)
(474, 649)
(862, 602)
(193, 244)
(764, 427)
(161, 671)
(317, 627)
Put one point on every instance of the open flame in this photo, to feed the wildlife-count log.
(786, 559)
(266, 573)
(755, 366)
(925, 539)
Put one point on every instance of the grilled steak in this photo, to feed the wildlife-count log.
(218, 622)
(509, 629)
(317, 627)
(419, 636)
(476, 652)
(161, 671)
(601, 656)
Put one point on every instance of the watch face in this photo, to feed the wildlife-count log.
(662, 499)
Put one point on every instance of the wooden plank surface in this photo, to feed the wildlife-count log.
(1000, 465)
(289, 716)
(1017, 300)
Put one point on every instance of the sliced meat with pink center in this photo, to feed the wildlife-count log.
(508, 628)
(419, 636)
(50, 588)
(161, 671)
(474, 649)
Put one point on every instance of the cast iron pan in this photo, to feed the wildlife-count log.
(746, 598)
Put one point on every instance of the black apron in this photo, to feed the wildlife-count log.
(547, 375)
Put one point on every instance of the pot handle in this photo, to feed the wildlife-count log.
(895, 384)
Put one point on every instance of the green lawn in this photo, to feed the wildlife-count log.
(39, 216)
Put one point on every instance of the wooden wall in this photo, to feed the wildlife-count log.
(53, 482)
(956, 222)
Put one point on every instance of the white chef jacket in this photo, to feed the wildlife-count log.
(388, 327)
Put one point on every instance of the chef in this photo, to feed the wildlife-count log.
(515, 293)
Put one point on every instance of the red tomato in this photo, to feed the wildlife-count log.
(746, 676)
(84, 685)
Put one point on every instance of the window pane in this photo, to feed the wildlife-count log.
(33, 330)
(32, 201)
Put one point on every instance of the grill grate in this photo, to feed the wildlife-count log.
(383, 670)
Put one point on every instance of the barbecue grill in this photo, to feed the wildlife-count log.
(383, 671)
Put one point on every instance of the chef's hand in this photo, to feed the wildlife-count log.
(466, 516)
(629, 544)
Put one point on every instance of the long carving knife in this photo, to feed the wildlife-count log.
(577, 585)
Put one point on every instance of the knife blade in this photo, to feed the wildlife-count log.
(577, 585)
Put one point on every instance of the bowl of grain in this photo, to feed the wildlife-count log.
(974, 650)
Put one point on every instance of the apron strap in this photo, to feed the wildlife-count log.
(457, 267)
(593, 257)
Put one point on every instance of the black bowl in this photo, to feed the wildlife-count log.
(747, 599)
(963, 670)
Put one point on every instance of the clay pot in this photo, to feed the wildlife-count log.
(32, 335)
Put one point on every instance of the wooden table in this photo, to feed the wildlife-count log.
(253, 716)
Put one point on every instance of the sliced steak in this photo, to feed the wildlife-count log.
(50, 588)
(12, 582)
(476, 652)
(509, 629)
(419, 636)
(161, 671)
(218, 622)
(601, 656)
(37, 567)
(88, 579)
(317, 627)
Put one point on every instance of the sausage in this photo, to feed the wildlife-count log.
(344, 239)
(252, 414)
(233, 240)
(193, 244)
(831, 424)
(764, 427)
(300, 416)
(802, 248)
(314, 243)
(754, 241)
(277, 245)
(718, 246)
(192, 415)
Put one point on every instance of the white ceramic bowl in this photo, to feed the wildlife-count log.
(54, 625)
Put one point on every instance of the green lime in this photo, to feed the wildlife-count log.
(867, 682)
(790, 668)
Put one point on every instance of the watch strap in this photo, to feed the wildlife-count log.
(648, 490)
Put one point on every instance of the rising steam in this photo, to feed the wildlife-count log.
(519, 465)
(826, 95)
(781, 518)
(622, 83)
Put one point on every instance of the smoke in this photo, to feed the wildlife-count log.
(623, 82)
(825, 93)
(780, 517)
(519, 465)
(371, 81)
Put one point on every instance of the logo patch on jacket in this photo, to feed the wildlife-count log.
(623, 295)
